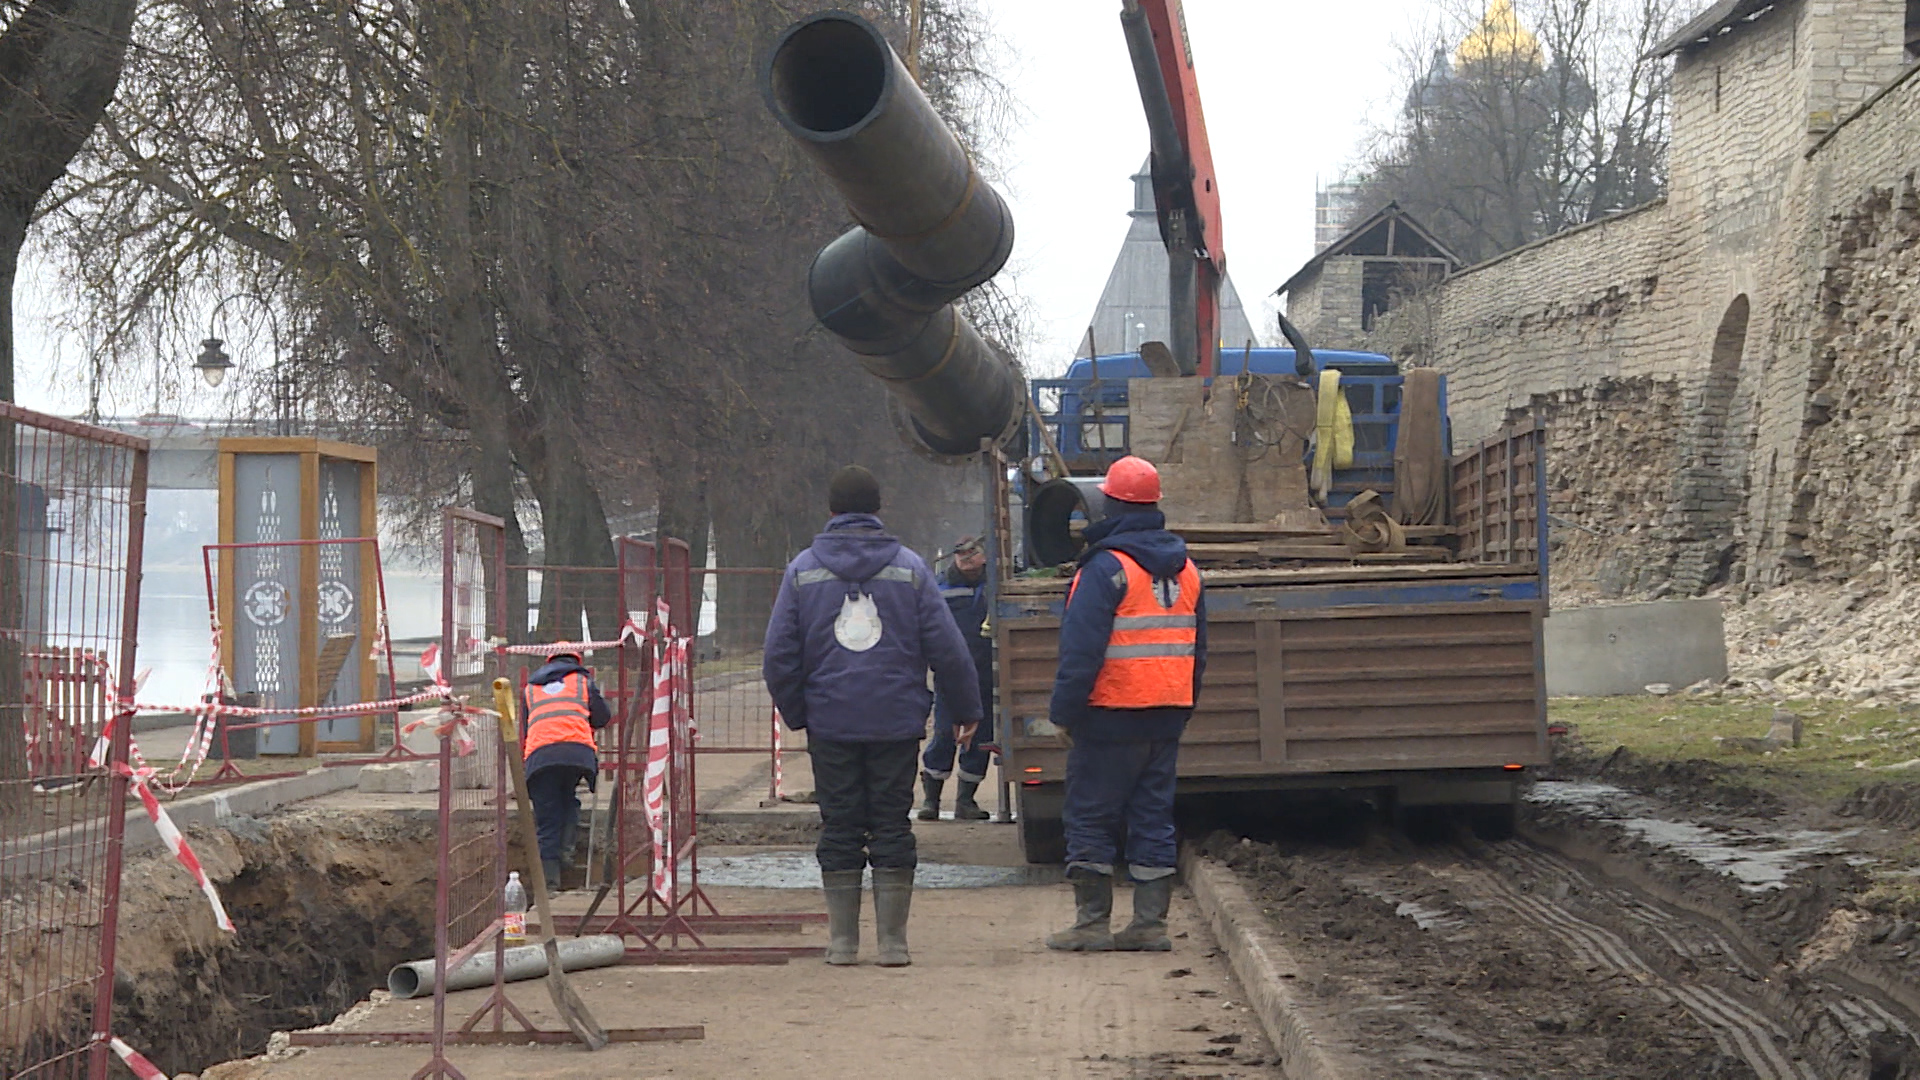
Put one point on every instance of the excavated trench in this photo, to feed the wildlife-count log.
(323, 902)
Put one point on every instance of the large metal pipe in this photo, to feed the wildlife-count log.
(930, 230)
(520, 963)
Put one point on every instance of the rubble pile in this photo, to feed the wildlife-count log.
(1819, 639)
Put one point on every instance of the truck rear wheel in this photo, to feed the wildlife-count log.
(1043, 837)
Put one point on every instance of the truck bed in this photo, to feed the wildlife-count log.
(1392, 668)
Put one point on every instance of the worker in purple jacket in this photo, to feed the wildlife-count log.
(858, 622)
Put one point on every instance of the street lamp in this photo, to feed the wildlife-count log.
(213, 364)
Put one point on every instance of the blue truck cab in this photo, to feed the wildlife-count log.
(1086, 410)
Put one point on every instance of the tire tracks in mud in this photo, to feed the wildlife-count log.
(1741, 1028)
(1813, 1029)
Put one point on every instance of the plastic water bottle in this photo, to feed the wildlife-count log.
(516, 921)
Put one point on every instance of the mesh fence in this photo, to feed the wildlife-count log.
(473, 616)
(731, 707)
(72, 507)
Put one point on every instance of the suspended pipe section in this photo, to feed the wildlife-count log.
(930, 229)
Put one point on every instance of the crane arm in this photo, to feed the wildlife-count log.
(1186, 199)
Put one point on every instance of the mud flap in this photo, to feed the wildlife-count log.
(1043, 837)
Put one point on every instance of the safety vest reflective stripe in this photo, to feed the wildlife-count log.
(1150, 653)
(957, 593)
(1151, 622)
(1124, 652)
(559, 716)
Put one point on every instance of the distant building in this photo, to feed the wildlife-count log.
(1336, 298)
(1334, 209)
(1133, 308)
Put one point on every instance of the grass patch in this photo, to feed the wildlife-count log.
(1842, 746)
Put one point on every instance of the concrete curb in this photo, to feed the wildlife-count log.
(1259, 960)
(48, 853)
(247, 800)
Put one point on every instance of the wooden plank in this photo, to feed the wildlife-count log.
(1272, 691)
(1393, 672)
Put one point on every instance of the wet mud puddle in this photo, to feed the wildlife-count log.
(1759, 860)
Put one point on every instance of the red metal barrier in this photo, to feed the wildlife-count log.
(72, 512)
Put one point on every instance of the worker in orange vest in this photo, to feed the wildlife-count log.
(1133, 648)
(560, 710)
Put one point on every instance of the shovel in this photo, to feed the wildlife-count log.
(571, 1008)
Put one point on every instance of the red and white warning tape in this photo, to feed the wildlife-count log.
(659, 753)
(629, 631)
(176, 843)
(142, 1068)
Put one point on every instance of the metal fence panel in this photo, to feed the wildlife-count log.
(72, 511)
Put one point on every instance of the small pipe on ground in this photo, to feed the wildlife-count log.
(521, 962)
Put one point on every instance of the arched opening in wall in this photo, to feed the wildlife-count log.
(1713, 481)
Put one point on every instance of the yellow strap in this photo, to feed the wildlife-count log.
(1333, 432)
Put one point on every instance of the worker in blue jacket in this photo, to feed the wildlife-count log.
(964, 588)
(856, 625)
(1133, 650)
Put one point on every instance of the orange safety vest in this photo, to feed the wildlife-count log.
(558, 712)
(1149, 663)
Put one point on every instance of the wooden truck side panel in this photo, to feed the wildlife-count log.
(1295, 689)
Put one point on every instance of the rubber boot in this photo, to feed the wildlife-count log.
(964, 808)
(552, 867)
(1093, 911)
(1148, 930)
(842, 889)
(892, 898)
(930, 788)
(569, 839)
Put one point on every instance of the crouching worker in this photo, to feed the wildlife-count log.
(561, 710)
(1133, 646)
(857, 623)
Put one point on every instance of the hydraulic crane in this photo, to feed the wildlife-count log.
(1186, 198)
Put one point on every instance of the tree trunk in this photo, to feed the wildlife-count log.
(14, 766)
(578, 543)
(748, 534)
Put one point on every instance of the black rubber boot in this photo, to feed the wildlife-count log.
(842, 889)
(1148, 930)
(892, 899)
(1093, 913)
(930, 788)
(569, 839)
(552, 867)
(964, 808)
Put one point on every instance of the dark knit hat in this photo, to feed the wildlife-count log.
(853, 490)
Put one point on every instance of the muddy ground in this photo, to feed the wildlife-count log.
(1650, 919)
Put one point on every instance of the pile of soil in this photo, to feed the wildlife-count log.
(323, 903)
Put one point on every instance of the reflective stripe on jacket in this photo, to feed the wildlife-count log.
(558, 711)
(1150, 654)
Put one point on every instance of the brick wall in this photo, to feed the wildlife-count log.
(1728, 370)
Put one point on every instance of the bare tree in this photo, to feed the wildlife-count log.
(548, 229)
(1520, 121)
(59, 63)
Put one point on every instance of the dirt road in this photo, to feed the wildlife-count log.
(982, 999)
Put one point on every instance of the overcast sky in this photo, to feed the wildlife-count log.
(1288, 87)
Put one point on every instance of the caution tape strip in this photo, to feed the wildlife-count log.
(176, 843)
(142, 1068)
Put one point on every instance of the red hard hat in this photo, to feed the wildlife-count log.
(1133, 480)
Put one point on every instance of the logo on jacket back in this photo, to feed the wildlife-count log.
(554, 688)
(858, 626)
